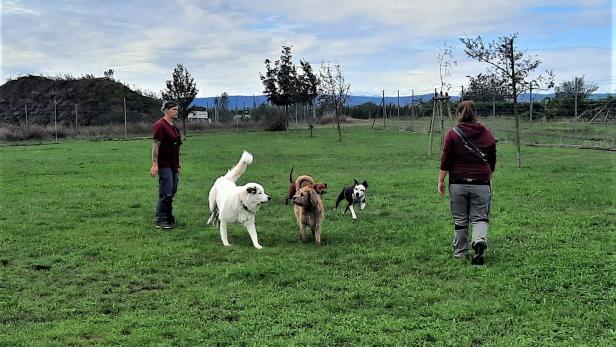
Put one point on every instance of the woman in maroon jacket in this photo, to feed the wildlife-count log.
(469, 157)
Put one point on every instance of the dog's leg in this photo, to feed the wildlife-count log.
(223, 233)
(352, 212)
(317, 234)
(340, 198)
(363, 204)
(214, 217)
(302, 231)
(252, 230)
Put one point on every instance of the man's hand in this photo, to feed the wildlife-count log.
(154, 170)
(441, 187)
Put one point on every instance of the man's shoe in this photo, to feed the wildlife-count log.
(479, 248)
(163, 225)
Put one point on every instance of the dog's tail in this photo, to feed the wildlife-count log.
(239, 168)
(303, 180)
(291, 174)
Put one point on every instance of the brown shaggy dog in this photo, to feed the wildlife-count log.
(301, 181)
(309, 212)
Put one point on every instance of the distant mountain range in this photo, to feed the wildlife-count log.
(248, 101)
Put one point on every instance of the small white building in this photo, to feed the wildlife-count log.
(199, 116)
(241, 117)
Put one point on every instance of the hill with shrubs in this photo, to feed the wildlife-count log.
(92, 101)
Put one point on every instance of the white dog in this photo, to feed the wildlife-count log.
(232, 204)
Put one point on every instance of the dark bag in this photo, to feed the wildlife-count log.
(471, 146)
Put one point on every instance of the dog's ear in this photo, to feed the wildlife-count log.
(314, 197)
(324, 184)
(355, 181)
(365, 184)
(251, 190)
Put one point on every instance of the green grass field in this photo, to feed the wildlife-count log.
(81, 264)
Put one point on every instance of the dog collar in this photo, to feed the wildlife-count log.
(246, 208)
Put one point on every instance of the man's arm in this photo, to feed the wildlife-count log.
(155, 148)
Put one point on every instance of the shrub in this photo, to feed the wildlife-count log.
(274, 120)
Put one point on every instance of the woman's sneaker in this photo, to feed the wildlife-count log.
(479, 248)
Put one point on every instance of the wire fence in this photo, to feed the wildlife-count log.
(543, 124)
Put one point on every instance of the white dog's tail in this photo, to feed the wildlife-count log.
(239, 168)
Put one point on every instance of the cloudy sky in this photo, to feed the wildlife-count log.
(390, 45)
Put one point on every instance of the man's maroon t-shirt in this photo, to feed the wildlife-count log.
(170, 141)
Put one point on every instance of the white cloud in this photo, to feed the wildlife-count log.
(380, 44)
(11, 7)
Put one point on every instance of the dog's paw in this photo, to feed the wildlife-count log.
(258, 246)
(227, 244)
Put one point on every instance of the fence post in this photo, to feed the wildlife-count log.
(398, 104)
(576, 110)
(531, 102)
(55, 119)
(432, 122)
(27, 126)
(75, 120)
(125, 133)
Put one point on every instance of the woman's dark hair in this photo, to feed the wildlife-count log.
(466, 112)
(167, 105)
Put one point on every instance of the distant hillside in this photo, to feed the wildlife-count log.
(100, 101)
(241, 101)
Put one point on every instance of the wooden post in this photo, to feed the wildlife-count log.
(530, 115)
(314, 110)
(27, 126)
(75, 120)
(398, 104)
(412, 102)
(440, 110)
(576, 110)
(515, 106)
(493, 107)
(576, 97)
(384, 111)
(55, 119)
(449, 112)
(125, 132)
(432, 123)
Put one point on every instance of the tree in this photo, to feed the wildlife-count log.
(181, 89)
(223, 106)
(445, 64)
(280, 81)
(308, 85)
(569, 89)
(510, 65)
(108, 74)
(485, 87)
(333, 90)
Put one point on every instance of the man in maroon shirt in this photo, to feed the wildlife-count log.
(469, 161)
(166, 163)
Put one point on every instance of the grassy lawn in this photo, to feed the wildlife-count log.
(81, 264)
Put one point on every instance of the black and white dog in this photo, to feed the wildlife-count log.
(355, 194)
